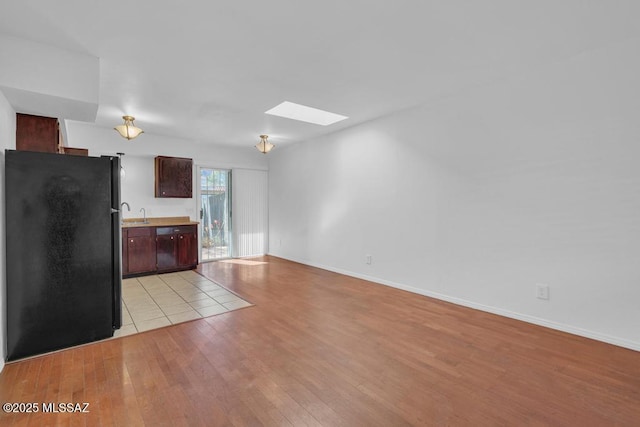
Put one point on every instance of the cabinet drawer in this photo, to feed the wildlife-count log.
(178, 229)
(139, 231)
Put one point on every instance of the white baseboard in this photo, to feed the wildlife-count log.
(621, 342)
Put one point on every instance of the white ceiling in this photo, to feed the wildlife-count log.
(208, 70)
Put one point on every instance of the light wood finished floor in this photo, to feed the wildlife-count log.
(324, 349)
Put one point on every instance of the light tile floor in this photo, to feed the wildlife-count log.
(151, 302)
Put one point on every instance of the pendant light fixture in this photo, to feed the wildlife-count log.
(128, 129)
(264, 146)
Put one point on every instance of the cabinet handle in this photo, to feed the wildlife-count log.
(181, 237)
(131, 240)
(171, 237)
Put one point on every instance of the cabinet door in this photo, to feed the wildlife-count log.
(141, 251)
(187, 249)
(166, 251)
(174, 176)
(35, 133)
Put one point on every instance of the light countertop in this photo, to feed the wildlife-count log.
(167, 221)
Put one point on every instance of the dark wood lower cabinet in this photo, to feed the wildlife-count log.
(149, 250)
(167, 252)
(139, 250)
(177, 247)
(188, 248)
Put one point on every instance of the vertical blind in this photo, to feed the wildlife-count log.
(250, 214)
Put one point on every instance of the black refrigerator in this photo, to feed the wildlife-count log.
(62, 251)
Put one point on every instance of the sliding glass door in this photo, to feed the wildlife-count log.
(215, 214)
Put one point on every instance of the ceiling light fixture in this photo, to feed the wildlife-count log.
(291, 110)
(128, 130)
(264, 146)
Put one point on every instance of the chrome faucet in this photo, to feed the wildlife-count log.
(144, 217)
(128, 208)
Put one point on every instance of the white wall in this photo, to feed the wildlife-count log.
(138, 184)
(477, 198)
(48, 81)
(7, 141)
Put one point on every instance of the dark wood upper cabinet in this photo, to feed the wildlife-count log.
(75, 151)
(174, 176)
(36, 133)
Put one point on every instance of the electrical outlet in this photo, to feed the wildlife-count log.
(367, 259)
(542, 291)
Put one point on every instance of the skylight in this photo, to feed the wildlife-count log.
(303, 113)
